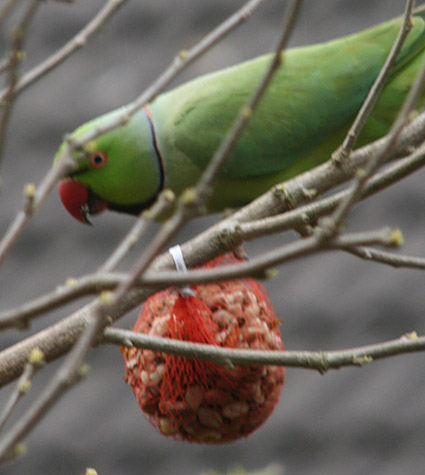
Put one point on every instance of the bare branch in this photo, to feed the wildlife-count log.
(33, 199)
(77, 42)
(318, 180)
(73, 289)
(376, 89)
(59, 338)
(321, 361)
(332, 225)
(179, 63)
(42, 404)
(204, 187)
(310, 213)
(7, 9)
(16, 56)
(60, 1)
(35, 361)
(164, 201)
(389, 258)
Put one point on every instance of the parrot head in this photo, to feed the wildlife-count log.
(121, 170)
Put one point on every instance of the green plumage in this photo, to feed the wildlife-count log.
(302, 118)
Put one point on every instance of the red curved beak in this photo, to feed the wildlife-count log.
(79, 201)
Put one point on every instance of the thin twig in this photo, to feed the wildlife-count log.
(18, 38)
(34, 197)
(333, 224)
(304, 187)
(71, 290)
(321, 361)
(60, 1)
(179, 63)
(164, 201)
(389, 258)
(218, 160)
(77, 42)
(311, 212)
(5, 65)
(36, 410)
(35, 361)
(373, 95)
(7, 9)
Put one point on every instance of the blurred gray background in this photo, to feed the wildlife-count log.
(351, 421)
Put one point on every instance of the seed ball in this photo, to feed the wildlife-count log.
(198, 401)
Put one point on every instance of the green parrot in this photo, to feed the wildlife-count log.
(302, 118)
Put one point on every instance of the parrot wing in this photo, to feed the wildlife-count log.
(317, 91)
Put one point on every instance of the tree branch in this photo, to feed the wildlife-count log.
(255, 267)
(321, 361)
(59, 338)
(7, 9)
(35, 361)
(77, 42)
(333, 224)
(376, 89)
(311, 212)
(179, 63)
(17, 54)
(164, 201)
(388, 258)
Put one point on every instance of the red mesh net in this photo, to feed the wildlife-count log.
(199, 401)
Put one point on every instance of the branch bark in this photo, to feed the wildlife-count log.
(321, 361)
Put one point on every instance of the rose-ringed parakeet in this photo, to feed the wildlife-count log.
(301, 120)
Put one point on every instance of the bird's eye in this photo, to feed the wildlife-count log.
(98, 159)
